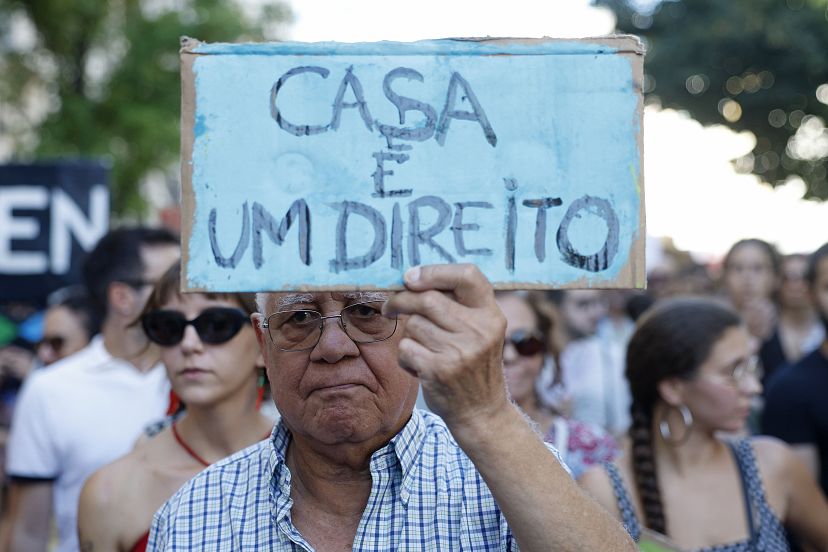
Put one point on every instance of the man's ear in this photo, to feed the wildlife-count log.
(120, 298)
(672, 391)
(256, 320)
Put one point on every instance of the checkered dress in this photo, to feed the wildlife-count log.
(425, 495)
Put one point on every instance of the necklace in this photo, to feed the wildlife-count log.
(187, 447)
(190, 450)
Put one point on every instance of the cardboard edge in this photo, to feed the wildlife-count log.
(505, 286)
(187, 128)
(631, 276)
(638, 274)
(621, 43)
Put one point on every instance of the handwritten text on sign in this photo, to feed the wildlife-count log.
(340, 165)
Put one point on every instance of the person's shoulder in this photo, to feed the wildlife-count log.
(67, 368)
(246, 461)
(209, 490)
(798, 376)
(774, 458)
(773, 455)
(103, 493)
(437, 448)
(436, 432)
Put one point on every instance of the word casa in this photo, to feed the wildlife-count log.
(434, 126)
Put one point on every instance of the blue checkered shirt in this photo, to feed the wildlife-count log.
(425, 495)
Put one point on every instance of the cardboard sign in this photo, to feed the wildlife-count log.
(51, 215)
(338, 166)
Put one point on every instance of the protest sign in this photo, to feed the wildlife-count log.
(51, 215)
(338, 166)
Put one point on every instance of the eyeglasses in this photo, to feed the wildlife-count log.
(749, 367)
(301, 330)
(214, 326)
(136, 283)
(54, 342)
(525, 343)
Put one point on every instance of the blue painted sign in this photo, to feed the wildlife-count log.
(333, 166)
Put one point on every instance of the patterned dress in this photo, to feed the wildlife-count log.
(586, 444)
(765, 531)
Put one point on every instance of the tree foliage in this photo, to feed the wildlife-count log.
(755, 65)
(107, 73)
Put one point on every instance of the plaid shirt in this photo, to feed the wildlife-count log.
(425, 495)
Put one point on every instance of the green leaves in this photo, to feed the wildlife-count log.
(109, 74)
(752, 65)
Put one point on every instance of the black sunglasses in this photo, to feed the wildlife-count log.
(53, 342)
(526, 343)
(214, 325)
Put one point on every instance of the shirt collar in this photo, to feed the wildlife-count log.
(405, 447)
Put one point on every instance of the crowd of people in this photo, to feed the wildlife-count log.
(689, 415)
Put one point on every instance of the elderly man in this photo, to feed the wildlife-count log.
(352, 465)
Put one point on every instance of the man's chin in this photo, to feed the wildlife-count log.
(335, 424)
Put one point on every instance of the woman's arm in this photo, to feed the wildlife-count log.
(805, 507)
(596, 483)
(98, 523)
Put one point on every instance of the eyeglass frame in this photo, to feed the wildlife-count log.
(751, 366)
(238, 317)
(54, 342)
(135, 283)
(266, 325)
(525, 335)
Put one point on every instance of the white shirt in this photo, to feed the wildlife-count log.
(76, 415)
(593, 375)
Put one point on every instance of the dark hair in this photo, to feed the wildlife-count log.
(769, 250)
(545, 324)
(76, 299)
(813, 263)
(671, 340)
(169, 286)
(555, 296)
(117, 257)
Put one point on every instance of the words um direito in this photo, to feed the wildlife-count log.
(400, 234)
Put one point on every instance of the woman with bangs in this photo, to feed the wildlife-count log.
(215, 368)
(680, 482)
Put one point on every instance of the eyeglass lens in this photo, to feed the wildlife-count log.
(525, 343)
(214, 325)
(299, 330)
(53, 342)
(750, 366)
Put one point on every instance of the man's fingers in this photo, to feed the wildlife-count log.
(431, 304)
(414, 357)
(469, 285)
(425, 332)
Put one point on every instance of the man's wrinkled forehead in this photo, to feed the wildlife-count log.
(285, 301)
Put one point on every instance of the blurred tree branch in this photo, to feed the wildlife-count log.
(755, 65)
(101, 78)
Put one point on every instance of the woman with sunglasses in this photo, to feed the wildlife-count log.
(214, 365)
(525, 350)
(678, 482)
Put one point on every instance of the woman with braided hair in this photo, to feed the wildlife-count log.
(692, 374)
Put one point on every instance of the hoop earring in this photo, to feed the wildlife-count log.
(664, 427)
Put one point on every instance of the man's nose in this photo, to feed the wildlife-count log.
(334, 342)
